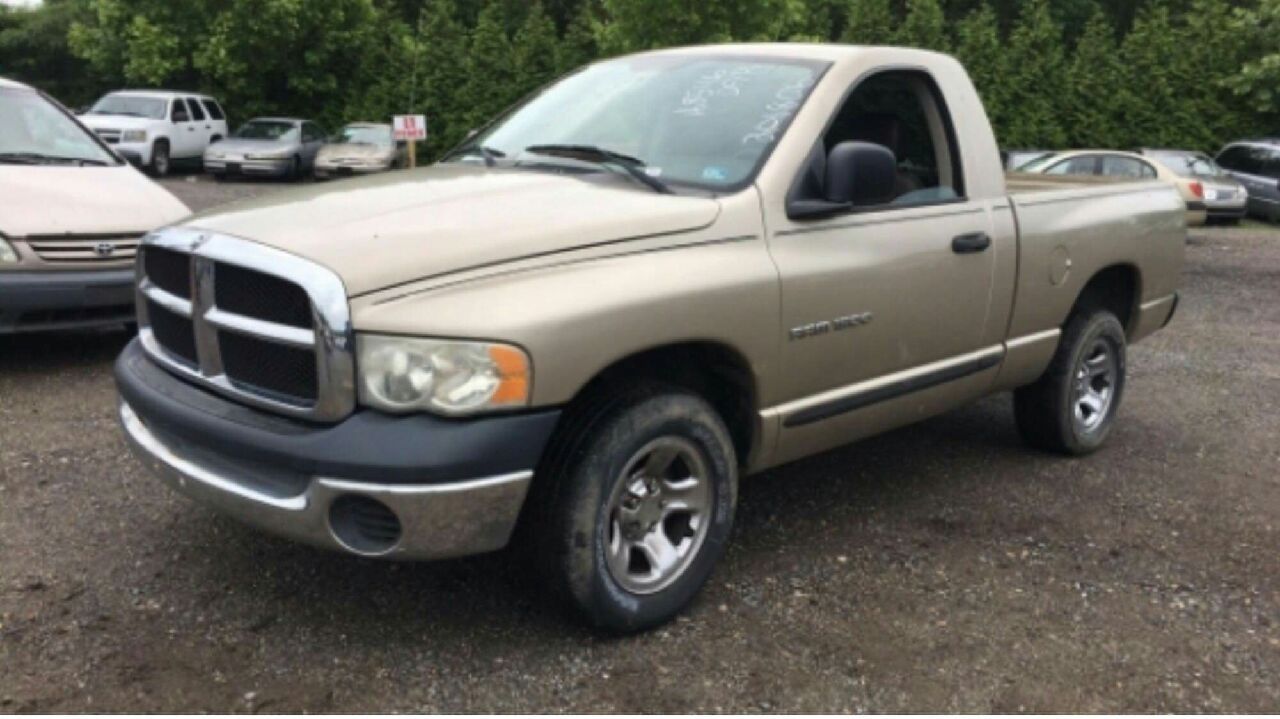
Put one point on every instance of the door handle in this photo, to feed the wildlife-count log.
(971, 243)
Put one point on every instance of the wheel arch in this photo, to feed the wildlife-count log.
(1116, 288)
(714, 370)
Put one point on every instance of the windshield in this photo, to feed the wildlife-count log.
(266, 130)
(363, 135)
(132, 105)
(1188, 164)
(35, 131)
(704, 121)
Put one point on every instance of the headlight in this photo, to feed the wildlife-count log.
(8, 255)
(134, 136)
(405, 374)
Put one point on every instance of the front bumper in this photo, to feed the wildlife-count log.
(326, 170)
(38, 301)
(414, 487)
(257, 168)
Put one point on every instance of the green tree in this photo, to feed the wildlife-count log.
(579, 46)
(535, 50)
(978, 46)
(441, 66)
(491, 79)
(1094, 78)
(645, 24)
(924, 26)
(870, 22)
(33, 49)
(141, 42)
(1034, 80)
(1156, 77)
(300, 57)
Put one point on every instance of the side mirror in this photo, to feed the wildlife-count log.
(861, 174)
(858, 174)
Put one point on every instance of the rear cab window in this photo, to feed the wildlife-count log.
(214, 110)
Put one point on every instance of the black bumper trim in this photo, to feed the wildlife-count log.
(54, 300)
(367, 446)
(1172, 310)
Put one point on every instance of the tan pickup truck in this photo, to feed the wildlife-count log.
(662, 273)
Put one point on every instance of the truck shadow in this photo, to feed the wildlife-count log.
(916, 476)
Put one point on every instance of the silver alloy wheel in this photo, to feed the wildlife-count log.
(658, 515)
(1095, 386)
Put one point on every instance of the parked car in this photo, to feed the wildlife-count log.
(712, 262)
(267, 147)
(1256, 164)
(1123, 165)
(360, 148)
(1014, 159)
(158, 129)
(1226, 199)
(71, 219)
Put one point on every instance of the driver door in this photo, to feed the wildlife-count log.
(887, 309)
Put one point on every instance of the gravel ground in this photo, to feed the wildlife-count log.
(939, 568)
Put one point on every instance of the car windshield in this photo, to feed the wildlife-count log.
(33, 131)
(363, 135)
(1188, 164)
(266, 130)
(131, 105)
(705, 121)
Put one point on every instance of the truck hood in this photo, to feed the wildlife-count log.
(400, 227)
(57, 200)
(355, 151)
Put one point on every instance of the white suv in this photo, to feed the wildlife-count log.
(155, 129)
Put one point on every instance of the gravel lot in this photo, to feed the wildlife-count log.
(938, 568)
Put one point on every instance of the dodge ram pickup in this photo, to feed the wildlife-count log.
(579, 329)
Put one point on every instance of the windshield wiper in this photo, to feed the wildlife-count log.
(633, 166)
(36, 158)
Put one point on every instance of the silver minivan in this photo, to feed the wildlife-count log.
(1256, 164)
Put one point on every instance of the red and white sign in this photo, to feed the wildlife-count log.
(409, 127)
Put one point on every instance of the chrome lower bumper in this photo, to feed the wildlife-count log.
(435, 521)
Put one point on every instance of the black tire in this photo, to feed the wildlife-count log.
(161, 162)
(1046, 411)
(570, 522)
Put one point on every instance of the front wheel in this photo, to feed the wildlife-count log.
(637, 507)
(1072, 407)
(160, 160)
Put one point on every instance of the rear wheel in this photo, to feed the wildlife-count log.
(636, 507)
(1072, 407)
(161, 163)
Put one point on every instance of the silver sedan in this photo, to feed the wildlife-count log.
(267, 147)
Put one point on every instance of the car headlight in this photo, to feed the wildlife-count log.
(134, 136)
(8, 255)
(455, 378)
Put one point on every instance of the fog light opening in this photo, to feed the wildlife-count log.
(364, 525)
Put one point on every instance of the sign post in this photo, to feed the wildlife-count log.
(410, 129)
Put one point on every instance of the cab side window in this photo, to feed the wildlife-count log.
(178, 112)
(215, 112)
(904, 112)
(194, 106)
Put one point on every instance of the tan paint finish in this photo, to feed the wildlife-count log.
(583, 273)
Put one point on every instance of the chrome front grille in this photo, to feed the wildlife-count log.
(85, 248)
(250, 322)
(111, 137)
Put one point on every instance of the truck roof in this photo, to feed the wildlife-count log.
(164, 94)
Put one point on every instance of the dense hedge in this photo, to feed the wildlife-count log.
(1053, 73)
